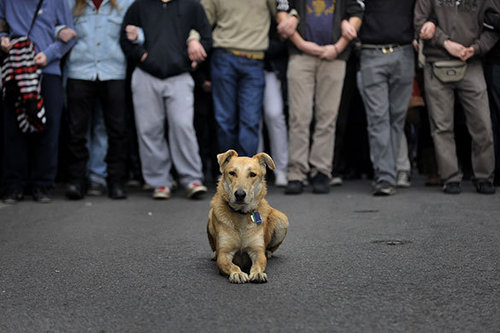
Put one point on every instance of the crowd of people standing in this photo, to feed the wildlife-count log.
(152, 90)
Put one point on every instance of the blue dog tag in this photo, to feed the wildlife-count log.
(256, 218)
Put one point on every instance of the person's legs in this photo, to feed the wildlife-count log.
(45, 154)
(224, 87)
(301, 85)
(181, 135)
(150, 116)
(400, 88)
(114, 111)
(492, 76)
(97, 145)
(276, 125)
(474, 99)
(329, 82)
(374, 89)
(440, 101)
(15, 161)
(81, 96)
(250, 100)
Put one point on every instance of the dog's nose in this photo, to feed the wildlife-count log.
(240, 195)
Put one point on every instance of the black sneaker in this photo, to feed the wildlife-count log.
(294, 187)
(117, 191)
(452, 188)
(41, 195)
(384, 188)
(96, 189)
(320, 183)
(485, 187)
(13, 197)
(74, 192)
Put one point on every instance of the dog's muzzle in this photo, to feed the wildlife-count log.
(240, 195)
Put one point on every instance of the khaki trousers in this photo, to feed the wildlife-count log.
(314, 88)
(471, 91)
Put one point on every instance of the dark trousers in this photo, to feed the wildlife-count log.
(492, 76)
(81, 95)
(31, 159)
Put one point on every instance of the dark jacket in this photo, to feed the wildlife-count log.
(344, 9)
(387, 22)
(461, 23)
(492, 22)
(166, 28)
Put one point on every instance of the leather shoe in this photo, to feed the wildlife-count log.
(117, 191)
(74, 192)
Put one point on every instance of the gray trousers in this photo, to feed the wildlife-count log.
(274, 117)
(386, 82)
(156, 103)
(471, 92)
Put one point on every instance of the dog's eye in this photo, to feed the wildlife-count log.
(252, 174)
(232, 173)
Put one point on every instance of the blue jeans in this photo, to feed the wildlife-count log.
(97, 144)
(238, 92)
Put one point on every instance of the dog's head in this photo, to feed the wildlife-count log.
(243, 183)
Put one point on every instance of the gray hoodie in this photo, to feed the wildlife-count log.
(460, 21)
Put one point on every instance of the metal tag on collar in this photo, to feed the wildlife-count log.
(256, 218)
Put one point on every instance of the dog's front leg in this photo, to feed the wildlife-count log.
(259, 263)
(226, 266)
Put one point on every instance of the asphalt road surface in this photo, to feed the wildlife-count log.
(418, 261)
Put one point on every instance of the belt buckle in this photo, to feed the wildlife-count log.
(387, 50)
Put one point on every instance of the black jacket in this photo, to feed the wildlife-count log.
(492, 21)
(166, 27)
(344, 9)
(387, 22)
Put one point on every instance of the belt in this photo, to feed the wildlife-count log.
(247, 55)
(384, 48)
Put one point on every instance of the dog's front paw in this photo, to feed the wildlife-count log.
(258, 277)
(240, 277)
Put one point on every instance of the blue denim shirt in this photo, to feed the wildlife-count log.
(97, 53)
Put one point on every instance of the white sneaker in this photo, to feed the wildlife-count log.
(336, 181)
(280, 179)
(161, 193)
(403, 179)
(195, 190)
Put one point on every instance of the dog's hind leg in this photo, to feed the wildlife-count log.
(280, 224)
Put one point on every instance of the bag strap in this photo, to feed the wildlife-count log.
(38, 6)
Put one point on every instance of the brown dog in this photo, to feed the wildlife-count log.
(242, 228)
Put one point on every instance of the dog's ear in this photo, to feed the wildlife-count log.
(224, 158)
(265, 160)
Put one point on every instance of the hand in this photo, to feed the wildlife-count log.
(196, 51)
(454, 48)
(66, 34)
(207, 86)
(348, 31)
(132, 32)
(428, 30)
(467, 53)
(144, 56)
(6, 45)
(41, 59)
(414, 43)
(329, 52)
(288, 26)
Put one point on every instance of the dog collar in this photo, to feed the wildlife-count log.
(255, 216)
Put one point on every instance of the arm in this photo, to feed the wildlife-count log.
(132, 50)
(286, 17)
(332, 51)
(58, 48)
(305, 46)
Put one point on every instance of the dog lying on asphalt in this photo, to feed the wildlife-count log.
(243, 229)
